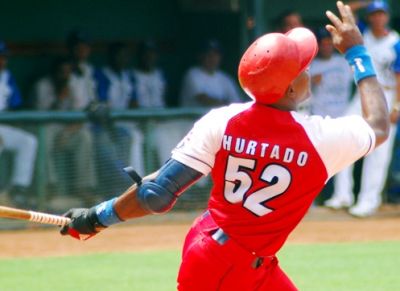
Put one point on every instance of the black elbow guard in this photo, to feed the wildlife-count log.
(160, 195)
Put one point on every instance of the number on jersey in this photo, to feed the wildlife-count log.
(238, 182)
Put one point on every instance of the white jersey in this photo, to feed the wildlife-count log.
(120, 89)
(331, 96)
(83, 86)
(383, 55)
(46, 96)
(5, 90)
(217, 85)
(150, 88)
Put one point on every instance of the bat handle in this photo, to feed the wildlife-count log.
(48, 218)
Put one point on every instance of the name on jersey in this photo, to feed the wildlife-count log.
(262, 149)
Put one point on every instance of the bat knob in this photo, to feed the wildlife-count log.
(133, 174)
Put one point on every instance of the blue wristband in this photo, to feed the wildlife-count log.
(361, 62)
(106, 213)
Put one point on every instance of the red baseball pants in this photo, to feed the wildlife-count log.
(208, 265)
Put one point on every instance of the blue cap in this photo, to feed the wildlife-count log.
(377, 6)
(321, 33)
(210, 45)
(3, 48)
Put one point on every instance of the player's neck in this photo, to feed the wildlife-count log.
(379, 32)
(284, 104)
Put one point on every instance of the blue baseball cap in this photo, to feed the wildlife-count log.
(210, 45)
(3, 48)
(321, 33)
(377, 6)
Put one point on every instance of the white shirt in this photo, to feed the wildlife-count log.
(120, 90)
(46, 96)
(331, 96)
(383, 55)
(83, 86)
(150, 88)
(217, 85)
(5, 90)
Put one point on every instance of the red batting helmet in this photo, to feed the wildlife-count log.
(273, 61)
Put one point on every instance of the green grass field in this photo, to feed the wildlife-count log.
(346, 266)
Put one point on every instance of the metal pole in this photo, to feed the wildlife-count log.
(41, 169)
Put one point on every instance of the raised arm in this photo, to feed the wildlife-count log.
(348, 40)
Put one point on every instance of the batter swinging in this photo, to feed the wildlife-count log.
(267, 162)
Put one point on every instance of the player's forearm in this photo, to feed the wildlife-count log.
(126, 206)
(374, 108)
(373, 101)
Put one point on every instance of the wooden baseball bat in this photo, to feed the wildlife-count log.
(40, 217)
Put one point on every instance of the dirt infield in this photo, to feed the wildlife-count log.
(167, 233)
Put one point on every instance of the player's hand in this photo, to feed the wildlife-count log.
(83, 222)
(345, 33)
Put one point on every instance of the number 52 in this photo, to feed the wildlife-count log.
(238, 182)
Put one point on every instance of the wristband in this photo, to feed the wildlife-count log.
(361, 62)
(106, 213)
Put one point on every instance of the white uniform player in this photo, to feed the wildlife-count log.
(385, 53)
(150, 86)
(117, 90)
(330, 97)
(20, 142)
(217, 84)
(206, 85)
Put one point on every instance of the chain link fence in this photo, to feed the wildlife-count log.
(79, 158)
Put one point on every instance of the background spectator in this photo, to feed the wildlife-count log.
(21, 143)
(118, 143)
(83, 83)
(150, 91)
(69, 146)
(331, 84)
(206, 85)
(288, 20)
(150, 84)
(331, 79)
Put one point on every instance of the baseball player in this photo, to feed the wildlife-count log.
(22, 143)
(267, 163)
(384, 46)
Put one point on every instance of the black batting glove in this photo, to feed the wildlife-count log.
(83, 221)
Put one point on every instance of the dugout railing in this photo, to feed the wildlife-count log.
(141, 137)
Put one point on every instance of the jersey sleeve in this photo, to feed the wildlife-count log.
(396, 64)
(15, 99)
(198, 148)
(339, 141)
(103, 85)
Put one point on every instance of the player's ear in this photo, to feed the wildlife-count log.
(290, 92)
